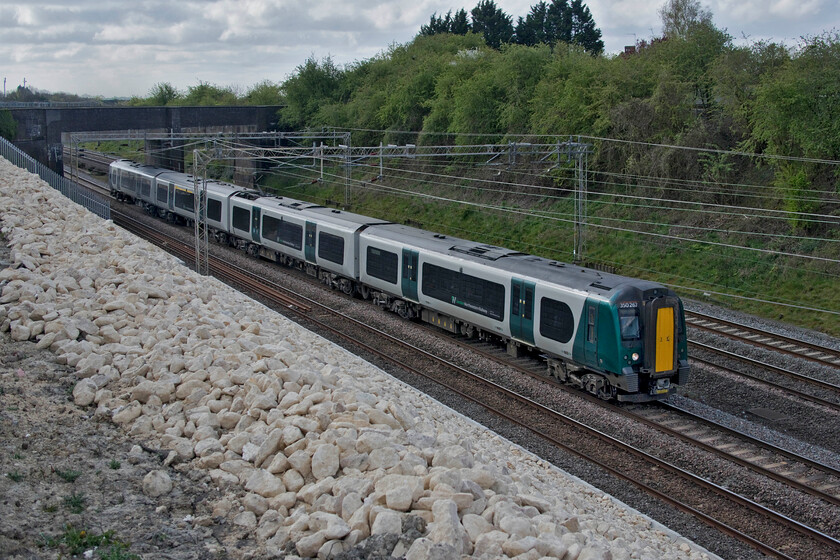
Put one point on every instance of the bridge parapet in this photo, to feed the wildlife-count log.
(42, 130)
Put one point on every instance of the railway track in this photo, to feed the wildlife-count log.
(87, 159)
(764, 339)
(760, 527)
(794, 470)
(831, 392)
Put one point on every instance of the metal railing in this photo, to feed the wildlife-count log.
(83, 196)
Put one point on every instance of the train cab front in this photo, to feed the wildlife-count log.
(660, 361)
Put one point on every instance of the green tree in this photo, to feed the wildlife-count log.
(460, 23)
(533, 29)
(312, 86)
(583, 30)
(26, 95)
(457, 24)
(517, 72)
(560, 21)
(8, 125)
(264, 93)
(162, 94)
(570, 99)
(680, 16)
(796, 110)
(437, 24)
(794, 186)
(736, 74)
(458, 69)
(205, 94)
(490, 21)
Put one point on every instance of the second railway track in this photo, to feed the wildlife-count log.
(770, 341)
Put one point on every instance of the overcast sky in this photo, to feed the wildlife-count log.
(117, 48)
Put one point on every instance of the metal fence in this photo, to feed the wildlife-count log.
(83, 196)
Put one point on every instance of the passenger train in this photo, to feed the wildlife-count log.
(613, 336)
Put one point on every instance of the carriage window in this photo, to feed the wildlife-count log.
(556, 320)
(161, 193)
(470, 292)
(590, 325)
(185, 200)
(214, 210)
(382, 264)
(241, 219)
(331, 247)
(283, 232)
(127, 180)
(628, 320)
(145, 187)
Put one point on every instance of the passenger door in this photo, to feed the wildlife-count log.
(309, 242)
(522, 310)
(409, 273)
(255, 224)
(590, 343)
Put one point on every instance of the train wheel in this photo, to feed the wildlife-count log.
(598, 386)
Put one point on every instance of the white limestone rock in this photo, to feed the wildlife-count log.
(20, 331)
(246, 519)
(325, 461)
(383, 458)
(84, 393)
(147, 388)
(265, 484)
(475, 526)
(453, 457)
(386, 522)
(332, 526)
(268, 447)
(208, 446)
(446, 527)
(127, 413)
(308, 546)
(489, 545)
(157, 483)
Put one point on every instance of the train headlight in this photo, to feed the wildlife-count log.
(635, 356)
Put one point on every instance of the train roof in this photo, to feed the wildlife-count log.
(342, 218)
(568, 275)
(134, 167)
(310, 210)
(186, 180)
(281, 202)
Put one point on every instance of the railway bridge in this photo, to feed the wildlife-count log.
(42, 131)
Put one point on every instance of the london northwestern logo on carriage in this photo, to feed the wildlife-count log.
(628, 305)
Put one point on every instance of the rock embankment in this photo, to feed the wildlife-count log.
(316, 450)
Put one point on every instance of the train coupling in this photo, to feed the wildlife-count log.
(660, 386)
